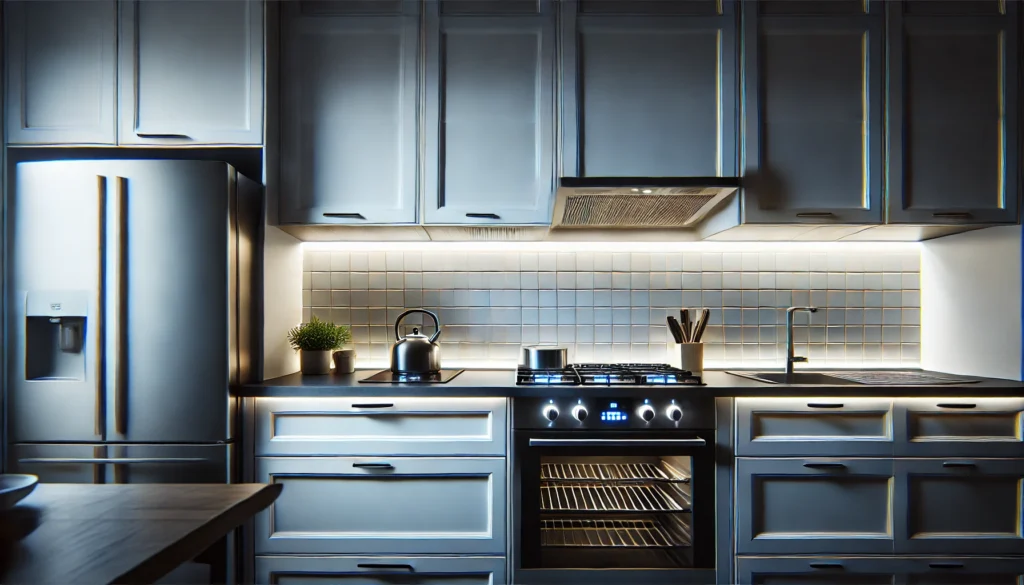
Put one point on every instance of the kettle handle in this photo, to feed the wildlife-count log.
(437, 324)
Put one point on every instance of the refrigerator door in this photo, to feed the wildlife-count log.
(59, 463)
(55, 243)
(105, 463)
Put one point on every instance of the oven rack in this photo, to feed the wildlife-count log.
(588, 497)
(609, 533)
(610, 472)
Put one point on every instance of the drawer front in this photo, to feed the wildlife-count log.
(348, 505)
(834, 427)
(959, 427)
(381, 426)
(814, 506)
(878, 571)
(959, 506)
(380, 570)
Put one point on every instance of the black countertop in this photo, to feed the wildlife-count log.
(502, 383)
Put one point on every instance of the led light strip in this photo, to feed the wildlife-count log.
(650, 247)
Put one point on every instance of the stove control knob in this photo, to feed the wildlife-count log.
(550, 412)
(674, 413)
(579, 412)
(646, 412)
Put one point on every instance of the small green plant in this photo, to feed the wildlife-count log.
(319, 335)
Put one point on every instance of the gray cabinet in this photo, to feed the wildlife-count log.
(191, 72)
(381, 570)
(814, 506)
(349, 112)
(648, 88)
(396, 505)
(813, 118)
(953, 112)
(814, 427)
(959, 506)
(959, 427)
(878, 571)
(490, 120)
(61, 66)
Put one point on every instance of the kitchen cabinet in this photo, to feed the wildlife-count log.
(953, 112)
(814, 506)
(490, 119)
(394, 505)
(878, 571)
(349, 152)
(191, 72)
(814, 86)
(381, 570)
(648, 88)
(841, 427)
(61, 61)
(959, 427)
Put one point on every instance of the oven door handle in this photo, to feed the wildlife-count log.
(618, 442)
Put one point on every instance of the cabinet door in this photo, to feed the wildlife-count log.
(959, 427)
(953, 117)
(960, 571)
(287, 570)
(61, 72)
(814, 506)
(647, 92)
(490, 126)
(814, 571)
(343, 505)
(813, 119)
(349, 107)
(959, 506)
(191, 72)
(814, 427)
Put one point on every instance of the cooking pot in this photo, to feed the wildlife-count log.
(416, 353)
(544, 357)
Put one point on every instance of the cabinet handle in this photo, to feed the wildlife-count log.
(953, 215)
(946, 565)
(161, 135)
(484, 215)
(824, 405)
(393, 567)
(825, 214)
(959, 464)
(956, 405)
(823, 465)
(826, 565)
(345, 215)
(373, 405)
(373, 465)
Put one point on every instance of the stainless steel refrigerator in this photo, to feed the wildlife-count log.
(131, 310)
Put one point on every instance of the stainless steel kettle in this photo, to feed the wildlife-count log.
(416, 353)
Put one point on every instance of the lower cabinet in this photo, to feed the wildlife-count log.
(878, 571)
(310, 570)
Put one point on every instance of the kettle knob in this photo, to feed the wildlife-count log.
(415, 330)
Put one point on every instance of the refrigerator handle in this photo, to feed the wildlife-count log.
(101, 303)
(121, 339)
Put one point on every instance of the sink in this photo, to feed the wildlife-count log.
(808, 378)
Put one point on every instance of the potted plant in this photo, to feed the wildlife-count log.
(315, 341)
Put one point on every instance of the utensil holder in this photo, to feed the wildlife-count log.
(691, 357)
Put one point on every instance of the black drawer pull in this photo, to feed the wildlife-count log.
(162, 135)
(373, 405)
(959, 464)
(953, 215)
(345, 215)
(827, 214)
(826, 565)
(824, 405)
(484, 215)
(386, 566)
(373, 465)
(823, 465)
(964, 406)
(946, 565)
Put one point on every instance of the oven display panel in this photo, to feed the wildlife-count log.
(613, 413)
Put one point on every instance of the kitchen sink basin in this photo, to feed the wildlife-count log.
(807, 378)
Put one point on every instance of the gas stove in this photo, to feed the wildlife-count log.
(608, 375)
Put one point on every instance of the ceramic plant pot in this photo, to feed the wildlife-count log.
(315, 363)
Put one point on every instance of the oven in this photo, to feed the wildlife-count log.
(617, 489)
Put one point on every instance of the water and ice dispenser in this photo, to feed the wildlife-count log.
(55, 333)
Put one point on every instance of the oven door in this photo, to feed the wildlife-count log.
(606, 507)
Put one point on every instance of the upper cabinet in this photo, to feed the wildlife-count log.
(814, 118)
(191, 72)
(490, 111)
(953, 112)
(162, 72)
(61, 63)
(350, 137)
(648, 88)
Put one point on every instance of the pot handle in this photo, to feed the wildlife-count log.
(437, 324)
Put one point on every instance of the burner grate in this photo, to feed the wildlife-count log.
(608, 375)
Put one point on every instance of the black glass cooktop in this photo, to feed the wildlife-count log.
(389, 377)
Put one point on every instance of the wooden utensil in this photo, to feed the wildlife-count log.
(677, 331)
(684, 316)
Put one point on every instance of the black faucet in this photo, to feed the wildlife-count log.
(790, 358)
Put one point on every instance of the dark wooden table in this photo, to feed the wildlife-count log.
(93, 534)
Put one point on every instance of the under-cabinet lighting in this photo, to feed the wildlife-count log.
(653, 247)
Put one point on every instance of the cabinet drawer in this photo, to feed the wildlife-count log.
(381, 426)
(343, 505)
(959, 427)
(959, 506)
(814, 506)
(382, 570)
(878, 570)
(814, 427)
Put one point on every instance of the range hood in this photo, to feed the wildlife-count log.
(638, 202)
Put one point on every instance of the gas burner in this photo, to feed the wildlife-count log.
(608, 375)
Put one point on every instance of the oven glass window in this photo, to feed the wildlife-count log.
(615, 512)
